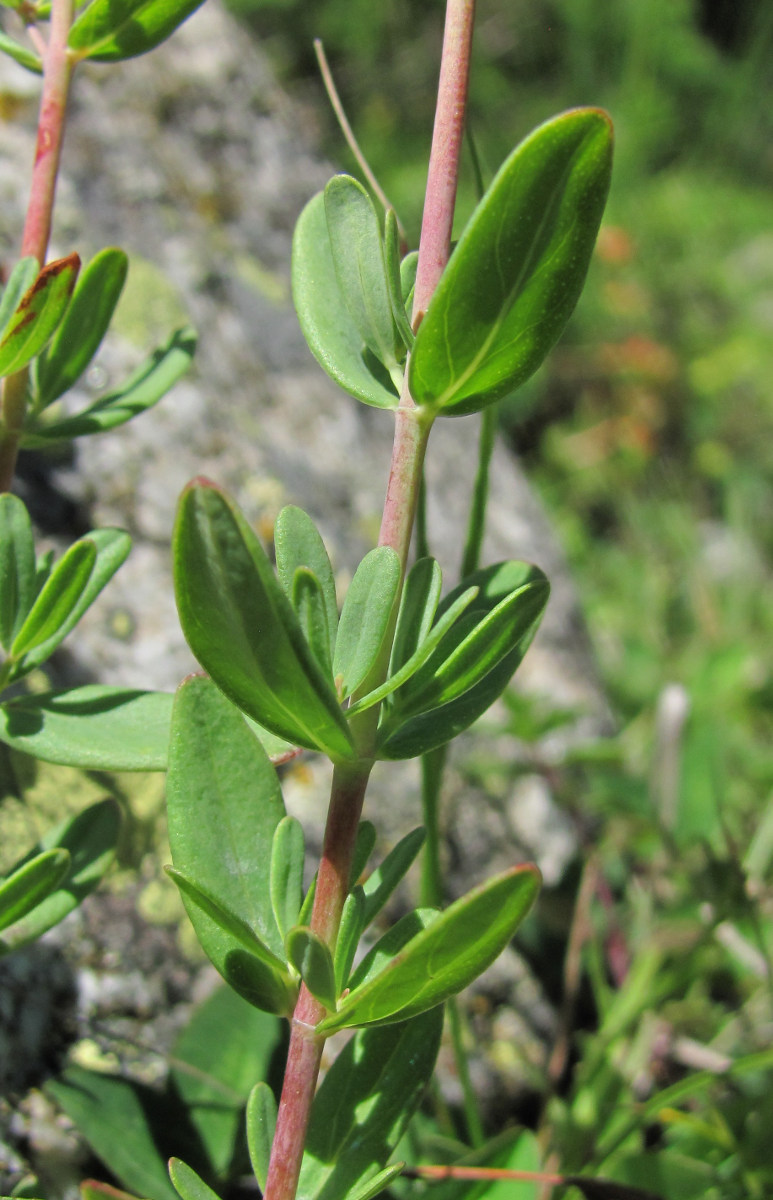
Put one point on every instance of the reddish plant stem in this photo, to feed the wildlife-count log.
(482, 1173)
(57, 72)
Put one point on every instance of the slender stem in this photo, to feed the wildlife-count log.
(469, 1100)
(432, 769)
(57, 72)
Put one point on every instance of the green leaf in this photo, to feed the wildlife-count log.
(83, 327)
(144, 388)
(17, 567)
(403, 736)
(365, 617)
(286, 873)
(443, 958)
(66, 595)
(408, 278)
(20, 281)
(394, 281)
(358, 257)
(95, 727)
(25, 888)
(188, 1184)
(116, 1118)
(297, 543)
(327, 324)
(90, 839)
(516, 274)
(241, 626)
(382, 882)
(22, 54)
(261, 1124)
(228, 922)
(349, 931)
(223, 801)
(313, 962)
(110, 30)
(226, 1045)
(418, 605)
(377, 1184)
(364, 1105)
(608, 1189)
(308, 603)
(37, 314)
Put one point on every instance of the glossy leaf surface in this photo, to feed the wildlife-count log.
(95, 727)
(84, 325)
(144, 388)
(518, 269)
(17, 567)
(110, 30)
(90, 840)
(297, 543)
(242, 628)
(365, 1103)
(365, 617)
(37, 314)
(327, 324)
(223, 800)
(443, 958)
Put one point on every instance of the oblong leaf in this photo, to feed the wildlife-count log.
(188, 1183)
(313, 962)
(308, 601)
(58, 598)
(518, 269)
(330, 332)
(84, 325)
(20, 280)
(21, 54)
(298, 543)
(17, 567)
(95, 727)
(286, 873)
(365, 1103)
(394, 280)
(38, 313)
(24, 889)
(349, 932)
(365, 617)
(261, 1124)
(358, 257)
(241, 626)
(381, 883)
(444, 957)
(226, 920)
(111, 30)
(144, 388)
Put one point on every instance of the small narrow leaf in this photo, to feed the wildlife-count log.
(313, 962)
(376, 1184)
(394, 281)
(228, 921)
(308, 601)
(37, 314)
(418, 605)
(443, 958)
(363, 848)
(261, 1123)
(25, 888)
(297, 543)
(365, 617)
(17, 567)
(188, 1184)
(242, 628)
(58, 599)
(349, 933)
(327, 325)
(518, 269)
(358, 257)
(111, 30)
(286, 873)
(85, 323)
(20, 281)
(382, 882)
(22, 54)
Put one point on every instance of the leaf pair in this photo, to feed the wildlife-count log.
(349, 292)
(50, 881)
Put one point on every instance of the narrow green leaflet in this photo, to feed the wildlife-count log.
(377, 1183)
(95, 727)
(418, 605)
(308, 601)
(20, 281)
(358, 256)
(330, 331)
(224, 1047)
(516, 274)
(22, 54)
(188, 1184)
(242, 628)
(286, 873)
(223, 800)
(313, 962)
(83, 327)
(90, 840)
(394, 280)
(110, 30)
(443, 958)
(349, 932)
(62, 600)
(297, 543)
(24, 889)
(365, 617)
(261, 1124)
(229, 924)
(37, 314)
(379, 886)
(17, 567)
(144, 388)
(364, 1105)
